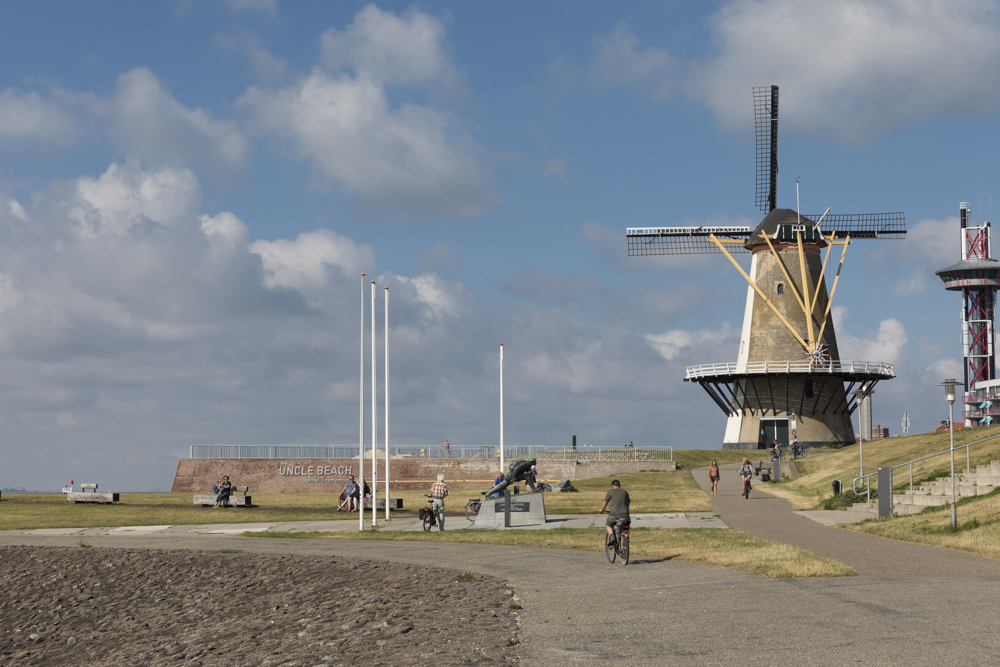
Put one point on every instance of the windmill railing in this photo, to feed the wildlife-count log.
(874, 368)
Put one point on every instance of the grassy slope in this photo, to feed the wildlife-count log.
(978, 532)
(817, 471)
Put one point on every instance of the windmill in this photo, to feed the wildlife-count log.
(788, 378)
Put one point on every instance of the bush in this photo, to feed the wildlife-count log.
(847, 499)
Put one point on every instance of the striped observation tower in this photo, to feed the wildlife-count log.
(977, 277)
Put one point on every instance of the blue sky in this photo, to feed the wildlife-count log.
(190, 191)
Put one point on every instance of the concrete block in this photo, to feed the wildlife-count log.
(234, 501)
(96, 497)
(526, 509)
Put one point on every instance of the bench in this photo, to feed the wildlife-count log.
(104, 497)
(394, 503)
(233, 500)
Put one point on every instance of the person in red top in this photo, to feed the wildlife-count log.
(439, 491)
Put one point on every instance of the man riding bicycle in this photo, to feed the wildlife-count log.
(617, 501)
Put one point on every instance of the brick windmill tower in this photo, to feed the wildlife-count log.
(788, 376)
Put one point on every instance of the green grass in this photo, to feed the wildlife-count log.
(978, 526)
(819, 469)
(667, 491)
(721, 547)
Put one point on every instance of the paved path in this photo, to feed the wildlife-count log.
(664, 520)
(773, 519)
(579, 610)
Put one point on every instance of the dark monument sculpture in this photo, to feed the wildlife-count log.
(520, 471)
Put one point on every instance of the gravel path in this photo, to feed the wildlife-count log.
(94, 606)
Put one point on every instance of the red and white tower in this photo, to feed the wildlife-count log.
(977, 277)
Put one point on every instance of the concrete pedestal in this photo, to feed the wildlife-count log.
(526, 509)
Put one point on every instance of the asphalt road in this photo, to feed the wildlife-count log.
(580, 610)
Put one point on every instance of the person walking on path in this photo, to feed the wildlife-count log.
(617, 501)
(746, 472)
(713, 477)
(446, 450)
(224, 490)
(439, 491)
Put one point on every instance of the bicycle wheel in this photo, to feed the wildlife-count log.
(472, 509)
(427, 521)
(623, 548)
(609, 547)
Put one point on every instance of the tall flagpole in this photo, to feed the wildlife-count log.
(374, 420)
(385, 373)
(501, 409)
(361, 418)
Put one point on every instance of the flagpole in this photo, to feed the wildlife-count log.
(361, 418)
(385, 374)
(501, 410)
(374, 421)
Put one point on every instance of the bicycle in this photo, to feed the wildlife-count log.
(428, 516)
(616, 543)
(472, 508)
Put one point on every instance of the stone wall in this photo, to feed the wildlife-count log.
(329, 475)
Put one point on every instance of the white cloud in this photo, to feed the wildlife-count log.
(306, 262)
(391, 49)
(946, 368)
(151, 124)
(27, 118)
(930, 245)
(439, 298)
(126, 195)
(621, 63)
(17, 210)
(225, 228)
(406, 159)
(887, 344)
(670, 344)
(854, 67)
(412, 160)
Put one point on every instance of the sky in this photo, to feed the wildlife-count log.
(190, 192)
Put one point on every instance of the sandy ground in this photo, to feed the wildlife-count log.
(94, 606)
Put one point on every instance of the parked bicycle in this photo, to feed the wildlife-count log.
(472, 508)
(428, 516)
(616, 542)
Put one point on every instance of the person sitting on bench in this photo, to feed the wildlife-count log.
(224, 490)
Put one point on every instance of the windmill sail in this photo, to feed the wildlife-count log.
(765, 111)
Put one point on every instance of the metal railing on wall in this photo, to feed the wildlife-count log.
(583, 453)
(866, 480)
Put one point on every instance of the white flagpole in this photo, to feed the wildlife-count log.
(501, 409)
(374, 420)
(361, 413)
(385, 374)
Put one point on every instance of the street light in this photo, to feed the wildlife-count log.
(949, 395)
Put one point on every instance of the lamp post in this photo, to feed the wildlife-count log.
(949, 395)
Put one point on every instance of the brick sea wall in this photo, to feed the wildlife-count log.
(329, 475)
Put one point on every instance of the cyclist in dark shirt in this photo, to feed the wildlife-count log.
(617, 501)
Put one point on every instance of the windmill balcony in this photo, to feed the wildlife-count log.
(874, 368)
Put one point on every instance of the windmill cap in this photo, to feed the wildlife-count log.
(769, 225)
